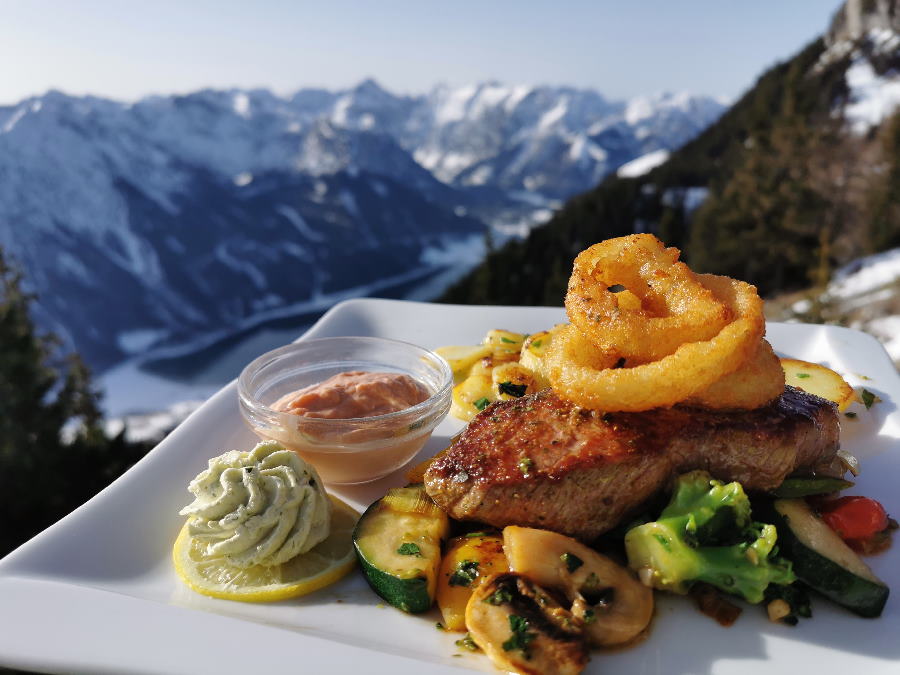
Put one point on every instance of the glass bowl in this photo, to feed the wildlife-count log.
(345, 451)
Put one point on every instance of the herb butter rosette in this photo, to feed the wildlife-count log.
(261, 507)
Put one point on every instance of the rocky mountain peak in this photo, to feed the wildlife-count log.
(856, 18)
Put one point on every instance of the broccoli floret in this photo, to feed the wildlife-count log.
(706, 534)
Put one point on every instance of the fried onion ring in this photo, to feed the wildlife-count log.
(755, 384)
(583, 371)
(631, 294)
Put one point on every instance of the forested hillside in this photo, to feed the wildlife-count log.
(784, 187)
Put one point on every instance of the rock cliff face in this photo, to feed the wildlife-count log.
(151, 223)
(856, 18)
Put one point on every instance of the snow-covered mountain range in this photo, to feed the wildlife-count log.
(149, 223)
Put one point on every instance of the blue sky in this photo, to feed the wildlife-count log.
(128, 49)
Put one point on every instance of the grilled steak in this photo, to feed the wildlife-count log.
(541, 461)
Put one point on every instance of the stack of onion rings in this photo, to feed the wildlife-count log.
(672, 306)
(692, 338)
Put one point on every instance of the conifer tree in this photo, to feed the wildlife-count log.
(54, 453)
(885, 198)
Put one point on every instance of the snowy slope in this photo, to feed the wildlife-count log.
(156, 222)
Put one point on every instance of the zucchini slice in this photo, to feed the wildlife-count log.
(824, 562)
(398, 544)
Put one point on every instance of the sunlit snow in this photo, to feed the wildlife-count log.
(873, 97)
(866, 274)
(644, 164)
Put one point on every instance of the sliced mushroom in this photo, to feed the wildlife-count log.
(614, 606)
(523, 629)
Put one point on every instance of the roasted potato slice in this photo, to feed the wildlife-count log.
(532, 357)
(471, 396)
(468, 562)
(512, 380)
(462, 357)
(505, 345)
(814, 378)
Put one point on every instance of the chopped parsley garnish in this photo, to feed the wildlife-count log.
(439, 626)
(615, 288)
(589, 616)
(868, 398)
(851, 415)
(501, 596)
(802, 376)
(467, 642)
(517, 390)
(465, 573)
(472, 535)
(521, 637)
(482, 403)
(507, 340)
(409, 548)
(525, 465)
(572, 561)
(537, 343)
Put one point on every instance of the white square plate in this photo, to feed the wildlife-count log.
(96, 591)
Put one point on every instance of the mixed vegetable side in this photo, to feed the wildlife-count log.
(530, 597)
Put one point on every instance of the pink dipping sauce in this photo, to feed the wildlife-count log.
(351, 454)
(352, 395)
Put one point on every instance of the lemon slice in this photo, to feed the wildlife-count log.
(319, 567)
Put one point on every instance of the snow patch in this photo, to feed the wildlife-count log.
(467, 251)
(151, 426)
(349, 202)
(516, 96)
(873, 97)
(129, 390)
(583, 149)
(238, 265)
(140, 340)
(643, 164)
(243, 179)
(480, 176)
(295, 219)
(555, 114)
(73, 267)
(453, 107)
(11, 123)
(380, 188)
(367, 121)
(866, 275)
(240, 103)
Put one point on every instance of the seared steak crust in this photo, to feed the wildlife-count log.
(541, 461)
